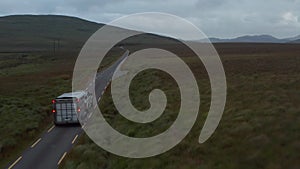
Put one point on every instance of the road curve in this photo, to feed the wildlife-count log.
(49, 150)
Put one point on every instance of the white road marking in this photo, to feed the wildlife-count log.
(62, 157)
(74, 139)
(11, 166)
(50, 129)
(35, 143)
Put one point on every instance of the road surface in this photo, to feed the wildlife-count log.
(48, 151)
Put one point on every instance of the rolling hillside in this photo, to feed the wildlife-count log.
(36, 33)
(295, 41)
(255, 39)
(21, 33)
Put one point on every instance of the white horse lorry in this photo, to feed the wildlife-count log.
(68, 108)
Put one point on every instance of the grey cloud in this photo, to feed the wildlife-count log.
(204, 4)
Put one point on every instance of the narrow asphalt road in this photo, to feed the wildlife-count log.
(48, 151)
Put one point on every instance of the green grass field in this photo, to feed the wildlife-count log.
(259, 128)
(29, 82)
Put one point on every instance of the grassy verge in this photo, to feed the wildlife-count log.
(29, 82)
(258, 129)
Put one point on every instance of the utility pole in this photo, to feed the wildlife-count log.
(56, 46)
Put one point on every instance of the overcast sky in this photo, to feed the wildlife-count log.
(216, 18)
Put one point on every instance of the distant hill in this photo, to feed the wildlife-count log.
(291, 39)
(37, 32)
(255, 39)
(295, 41)
(23, 33)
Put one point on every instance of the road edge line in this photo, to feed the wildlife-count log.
(61, 158)
(35, 143)
(73, 141)
(13, 164)
(50, 129)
